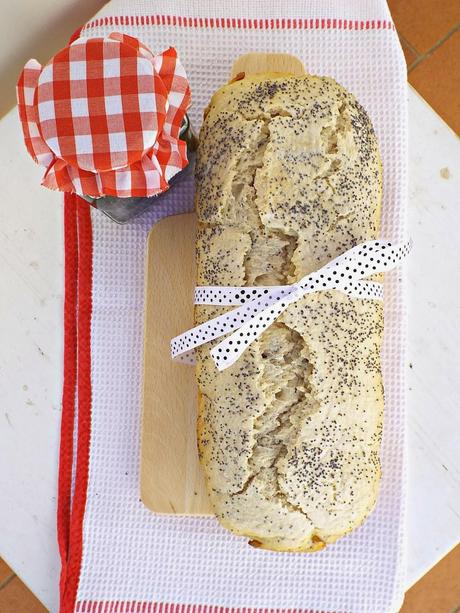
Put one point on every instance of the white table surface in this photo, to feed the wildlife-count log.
(31, 347)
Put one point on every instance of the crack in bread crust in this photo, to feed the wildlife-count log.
(288, 176)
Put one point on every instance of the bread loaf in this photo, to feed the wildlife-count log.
(288, 177)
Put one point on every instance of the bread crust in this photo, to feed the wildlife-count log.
(289, 176)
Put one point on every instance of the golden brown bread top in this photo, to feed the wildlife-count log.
(288, 176)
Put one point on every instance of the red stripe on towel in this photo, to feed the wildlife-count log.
(69, 385)
(83, 378)
(180, 21)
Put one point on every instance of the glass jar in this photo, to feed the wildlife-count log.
(122, 210)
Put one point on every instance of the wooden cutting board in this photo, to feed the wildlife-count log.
(171, 477)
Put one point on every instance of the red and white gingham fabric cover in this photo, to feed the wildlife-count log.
(103, 116)
(117, 555)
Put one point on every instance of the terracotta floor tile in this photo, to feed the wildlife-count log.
(436, 79)
(16, 598)
(5, 572)
(439, 590)
(424, 22)
(408, 54)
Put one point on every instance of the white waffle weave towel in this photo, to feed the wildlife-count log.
(132, 558)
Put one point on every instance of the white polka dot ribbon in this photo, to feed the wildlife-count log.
(260, 306)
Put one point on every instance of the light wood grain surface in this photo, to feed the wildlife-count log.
(251, 63)
(171, 476)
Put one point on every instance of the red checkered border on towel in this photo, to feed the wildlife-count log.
(119, 606)
(240, 23)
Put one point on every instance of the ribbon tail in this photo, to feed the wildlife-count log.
(182, 346)
(229, 350)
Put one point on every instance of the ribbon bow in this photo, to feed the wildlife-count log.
(261, 306)
(103, 116)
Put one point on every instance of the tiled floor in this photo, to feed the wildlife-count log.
(439, 590)
(430, 35)
(14, 595)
